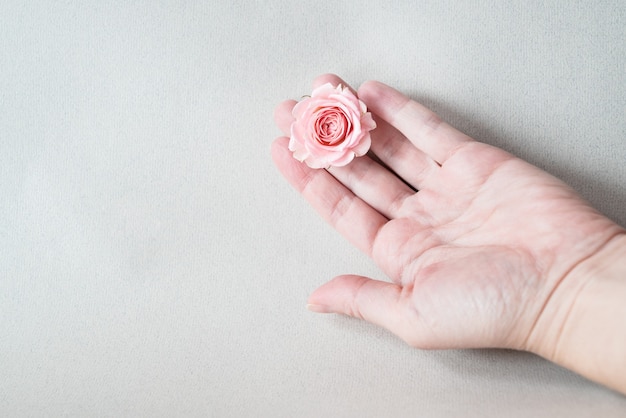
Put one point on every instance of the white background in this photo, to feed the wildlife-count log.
(154, 263)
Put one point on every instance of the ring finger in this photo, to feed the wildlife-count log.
(374, 184)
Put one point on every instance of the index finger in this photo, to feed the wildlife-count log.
(420, 125)
(333, 79)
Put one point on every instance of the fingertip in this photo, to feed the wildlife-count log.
(369, 84)
(329, 295)
(293, 170)
(331, 78)
(378, 95)
(318, 308)
(282, 115)
(374, 301)
(284, 108)
(367, 87)
(356, 296)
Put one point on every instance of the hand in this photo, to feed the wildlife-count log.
(479, 245)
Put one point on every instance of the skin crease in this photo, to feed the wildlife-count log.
(485, 254)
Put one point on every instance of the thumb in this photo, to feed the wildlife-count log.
(360, 297)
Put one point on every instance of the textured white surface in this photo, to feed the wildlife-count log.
(154, 263)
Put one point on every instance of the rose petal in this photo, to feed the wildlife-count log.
(344, 160)
(364, 145)
(367, 122)
(330, 127)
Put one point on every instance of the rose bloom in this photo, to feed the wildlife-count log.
(330, 128)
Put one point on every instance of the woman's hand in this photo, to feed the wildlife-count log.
(479, 245)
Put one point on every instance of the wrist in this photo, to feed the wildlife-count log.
(587, 333)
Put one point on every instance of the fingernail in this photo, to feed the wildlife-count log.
(318, 308)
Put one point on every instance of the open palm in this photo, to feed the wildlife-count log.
(477, 243)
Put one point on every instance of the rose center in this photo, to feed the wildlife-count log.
(332, 126)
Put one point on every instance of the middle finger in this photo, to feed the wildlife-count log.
(400, 155)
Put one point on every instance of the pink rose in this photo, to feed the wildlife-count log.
(330, 128)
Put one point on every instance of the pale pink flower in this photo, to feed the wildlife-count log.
(330, 128)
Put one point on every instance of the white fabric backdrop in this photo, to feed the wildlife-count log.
(154, 263)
